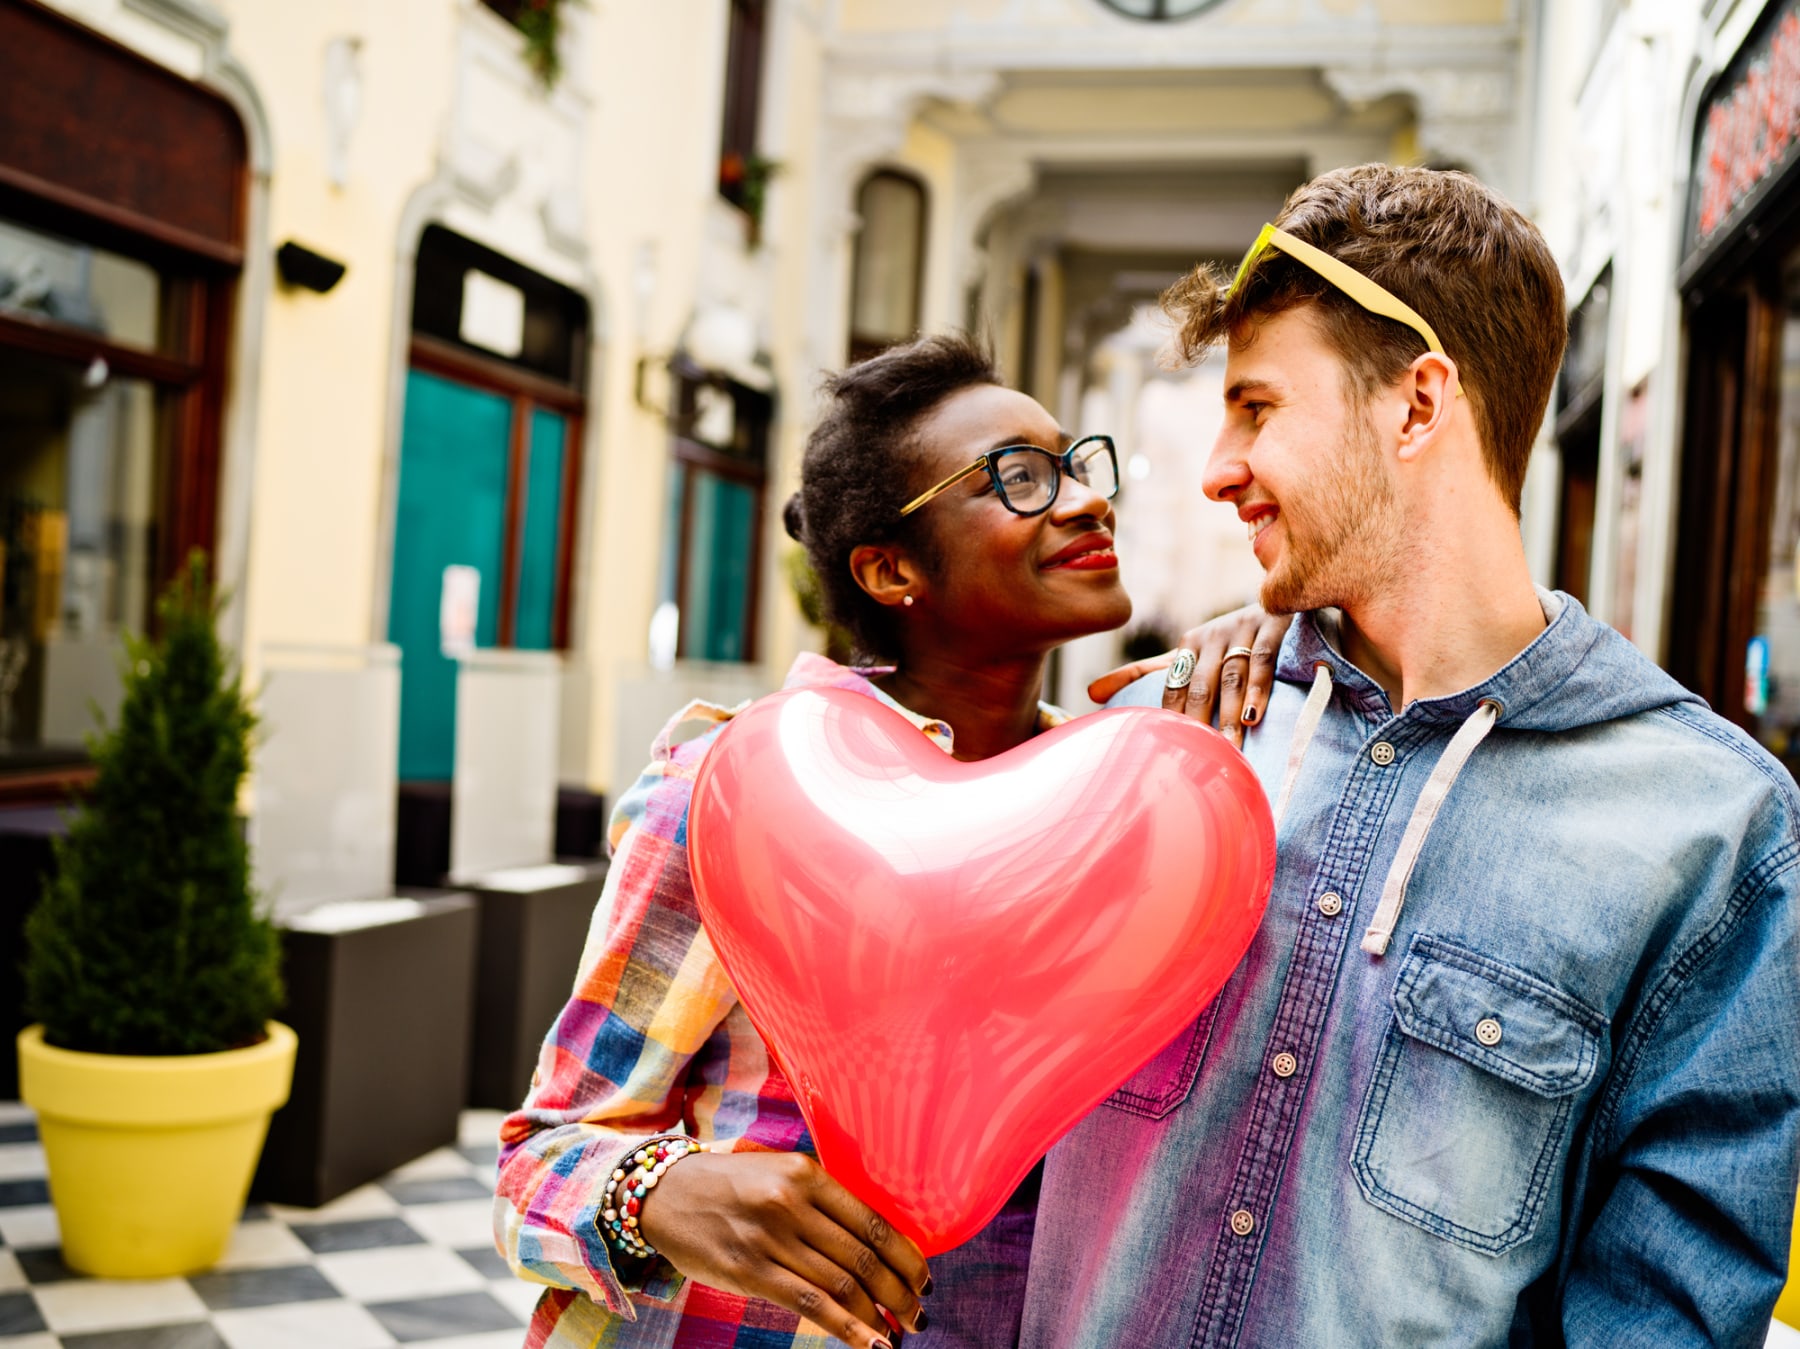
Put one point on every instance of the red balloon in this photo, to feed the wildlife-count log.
(954, 962)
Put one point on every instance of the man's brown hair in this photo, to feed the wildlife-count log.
(1475, 268)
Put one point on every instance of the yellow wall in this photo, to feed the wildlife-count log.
(323, 382)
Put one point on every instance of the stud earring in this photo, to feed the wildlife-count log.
(906, 600)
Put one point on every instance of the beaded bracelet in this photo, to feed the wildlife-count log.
(634, 1177)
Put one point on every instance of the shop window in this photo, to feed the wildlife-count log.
(490, 468)
(741, 168)
(713, 562)
(888, 270)
(1579, 397)
(1771, 694)
(121, 212)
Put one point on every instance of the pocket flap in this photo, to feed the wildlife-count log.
(1497, 1017)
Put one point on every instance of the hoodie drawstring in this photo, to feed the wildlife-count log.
(1437, 789)
(1431, 800)
(1310, 717)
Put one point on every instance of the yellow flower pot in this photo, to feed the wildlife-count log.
(150, 1158)
(1787, 1310)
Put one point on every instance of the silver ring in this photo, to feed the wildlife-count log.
(1182, 671)
(1237, 651)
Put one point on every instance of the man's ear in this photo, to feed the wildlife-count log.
(1429, 389)
(887, 572)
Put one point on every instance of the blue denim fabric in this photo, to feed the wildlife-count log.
(1612, 881)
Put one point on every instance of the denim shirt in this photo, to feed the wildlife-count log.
(1564, 1105)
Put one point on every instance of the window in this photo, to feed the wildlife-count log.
(712, 562)
(1578, 408)
(740, 167)
(1158, 11)
(120, 243)
(888, 272)
(489, 476)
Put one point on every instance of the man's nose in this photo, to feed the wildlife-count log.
(1227, 469)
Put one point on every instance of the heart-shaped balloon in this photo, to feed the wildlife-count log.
(954, 962)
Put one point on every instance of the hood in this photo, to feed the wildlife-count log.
(1578, 672)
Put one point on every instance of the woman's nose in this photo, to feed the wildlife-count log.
(1076, 499)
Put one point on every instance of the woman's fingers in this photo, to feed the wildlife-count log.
(881, 1282)
(808, 1295)
(1113, 680)
(1234, 676)
(1201, 697)
(868, 1229)
(1265, 650)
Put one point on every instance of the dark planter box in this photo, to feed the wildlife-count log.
(580, 823)
(383, 1015)
(531, 940)
(422, 834)
(27, 836)
(422, 830)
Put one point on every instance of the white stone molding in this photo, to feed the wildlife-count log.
(342, 96)
(1466, 113)
(867, 111)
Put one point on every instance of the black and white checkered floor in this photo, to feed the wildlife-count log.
(407, 1260)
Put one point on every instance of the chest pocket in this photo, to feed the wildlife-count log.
(1464, 1131)
(1160, 1085)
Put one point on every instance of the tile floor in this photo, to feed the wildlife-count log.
(407, 1260)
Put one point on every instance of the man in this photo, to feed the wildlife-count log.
(1515, 1057)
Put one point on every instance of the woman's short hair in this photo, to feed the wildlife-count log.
(862, 465)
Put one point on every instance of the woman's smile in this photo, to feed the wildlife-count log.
(1091, 552)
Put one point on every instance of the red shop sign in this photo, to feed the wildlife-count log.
(1750, 128)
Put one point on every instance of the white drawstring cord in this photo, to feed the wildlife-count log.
(1310, 717)
(1431, 800)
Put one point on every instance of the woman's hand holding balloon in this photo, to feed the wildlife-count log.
(773, 1225)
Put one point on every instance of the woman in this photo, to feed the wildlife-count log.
(957, 531)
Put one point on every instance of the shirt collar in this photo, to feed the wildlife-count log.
(811, 670)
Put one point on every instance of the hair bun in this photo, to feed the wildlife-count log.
(793, 518)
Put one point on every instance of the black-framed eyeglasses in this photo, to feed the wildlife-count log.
(1027, 479)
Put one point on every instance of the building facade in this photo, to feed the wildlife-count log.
(432, 350)
(1664, 493)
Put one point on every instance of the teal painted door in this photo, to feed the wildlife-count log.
(454, 447)
(715, 612)
(540, 531)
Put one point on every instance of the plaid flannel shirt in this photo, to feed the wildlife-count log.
(652, 1041)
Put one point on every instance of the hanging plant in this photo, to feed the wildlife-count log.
(541, 21)
(744, 180)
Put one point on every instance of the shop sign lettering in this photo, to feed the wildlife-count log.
(1750, 128)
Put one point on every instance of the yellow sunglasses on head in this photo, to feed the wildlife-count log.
(1372, 297)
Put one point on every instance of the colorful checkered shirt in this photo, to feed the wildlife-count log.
(653, 1041)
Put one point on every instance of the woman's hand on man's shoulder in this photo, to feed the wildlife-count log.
(1233, 670)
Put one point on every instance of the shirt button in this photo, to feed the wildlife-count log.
(1382, 753)
(1285, 1065)
(1331, 904)
(1487, 1030)
(1243, 1223)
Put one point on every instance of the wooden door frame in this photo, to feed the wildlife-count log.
(525, 392)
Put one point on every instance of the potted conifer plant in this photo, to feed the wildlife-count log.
(154, 1066)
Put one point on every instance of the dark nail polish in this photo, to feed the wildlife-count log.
(920, 1322)
(1249, 717)
(930, 1283)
